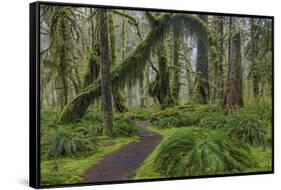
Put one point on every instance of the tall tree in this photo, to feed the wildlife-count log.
(233, 95)
(117, 98)
(220, 73)
(176, 69)
(165, 99)
(254, 66)
(105, 74)
(62, 51)
(216, 54)
(135, 62)
(202, 93)
(93, 64)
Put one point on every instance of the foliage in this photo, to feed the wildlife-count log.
(197, 151)
(64, 142)
(181, 120)
(216, 120)
(146, 171)
(182, 115)
(131, 68)
(69, 170)
(247, 128)
(90, 130)
(125, 128)
(261, 107)
(132, 116)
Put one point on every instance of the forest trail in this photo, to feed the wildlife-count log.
(122, 164)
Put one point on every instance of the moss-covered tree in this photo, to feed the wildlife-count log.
(233, 94)
(202, 93)
(160, 87)
(117, 98)
(105, 74)
(93, 64)
(254, 66)
(130, 69)
(216, 56)
(176, 68)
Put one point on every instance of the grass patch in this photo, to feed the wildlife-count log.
(71, 170)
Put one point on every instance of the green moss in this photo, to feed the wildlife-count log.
(263, 157)
(131, 68)
(71, 170)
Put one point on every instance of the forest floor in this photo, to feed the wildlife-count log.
(122, 164)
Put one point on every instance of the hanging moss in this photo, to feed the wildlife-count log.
(118, 100)
(132, 67)
(93, 67)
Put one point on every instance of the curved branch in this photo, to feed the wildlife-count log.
(132, 20)
(130, 68)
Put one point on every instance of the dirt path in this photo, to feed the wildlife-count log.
(122, 164)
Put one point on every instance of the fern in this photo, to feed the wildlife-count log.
(90, 130)
(197, 151)
(63, 142)
(181, 120)
(247, 128)
(214, 121)
(125, 128)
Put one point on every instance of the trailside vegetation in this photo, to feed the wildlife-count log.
(203, 82)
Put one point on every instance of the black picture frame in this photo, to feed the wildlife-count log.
(34, 92)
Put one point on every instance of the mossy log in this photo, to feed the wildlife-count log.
(132, 67)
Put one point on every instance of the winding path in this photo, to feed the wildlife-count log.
(122, 164)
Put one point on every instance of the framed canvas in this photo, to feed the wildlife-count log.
(122, 94)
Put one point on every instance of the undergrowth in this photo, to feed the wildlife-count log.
(198, 151)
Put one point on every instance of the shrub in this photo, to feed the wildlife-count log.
(94, 117)
(181, 120)
(262, 108)
(65, 142)
(214, 121)
(48, 119)
(125, 128)
(197, 151)
(247, 128)
(132, 116)
(90, 130)
(86, 128)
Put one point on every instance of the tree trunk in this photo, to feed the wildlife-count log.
(234, 97)
(165, 98)
(254, 66)
(136, 61)
(202, 72)
(176, 82)
(220, 81)
(105, 75)
(216, 57)
(117, 98)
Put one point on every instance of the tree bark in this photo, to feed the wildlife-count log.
(165, 98)
(234, 96)
(117, 98)
(202, 93)
(254, 66)
(78, 106)
(176, 82)
(220, 81)
(105, 75)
